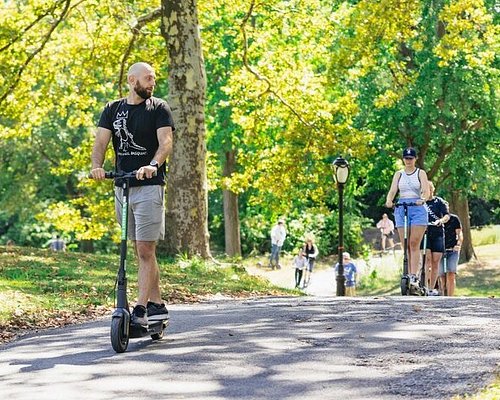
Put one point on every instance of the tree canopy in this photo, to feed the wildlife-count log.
(290, 86)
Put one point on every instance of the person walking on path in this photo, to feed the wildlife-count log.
(453, 238)
(310, 251)
(300, 263)
(386, 227)
(278, 236)
(141, 128)
(438, 215)
(413, 187)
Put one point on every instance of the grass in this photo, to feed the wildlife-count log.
(39, 288)
(491, 392)
(486, 235)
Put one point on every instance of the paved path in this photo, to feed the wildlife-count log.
(277, 348)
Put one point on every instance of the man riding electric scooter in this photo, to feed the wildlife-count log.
(140, 127)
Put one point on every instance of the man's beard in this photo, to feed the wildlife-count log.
(142, 91)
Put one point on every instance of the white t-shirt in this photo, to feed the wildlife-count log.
(278, 235)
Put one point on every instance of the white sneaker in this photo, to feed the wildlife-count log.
(433, 292)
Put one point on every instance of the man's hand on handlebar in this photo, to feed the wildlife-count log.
(97, 173)
(146, 172)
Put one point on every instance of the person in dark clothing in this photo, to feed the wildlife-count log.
(310, 251)
(453, 239)
(437, 210)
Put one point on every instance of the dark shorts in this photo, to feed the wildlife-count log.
(435, 243)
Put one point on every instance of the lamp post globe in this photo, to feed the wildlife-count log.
(341, 174)
(340, 170)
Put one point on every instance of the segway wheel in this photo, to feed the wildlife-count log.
(118, 340)
(404, 286)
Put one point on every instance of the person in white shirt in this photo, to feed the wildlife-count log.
(386, 227)
(278, 236)
(300, 263)
(413, 187)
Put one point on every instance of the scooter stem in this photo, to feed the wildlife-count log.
(121, 293)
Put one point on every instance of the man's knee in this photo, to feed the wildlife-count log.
(146, 250)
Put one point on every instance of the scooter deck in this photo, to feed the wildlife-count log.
(137, 331)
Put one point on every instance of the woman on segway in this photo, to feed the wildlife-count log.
(413, 187)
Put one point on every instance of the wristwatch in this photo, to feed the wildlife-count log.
(154, 163)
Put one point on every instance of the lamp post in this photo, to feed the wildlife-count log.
(341, 173)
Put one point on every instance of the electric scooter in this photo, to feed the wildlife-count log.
(444, 290)
(121, 327)
(423, 269)
(406, 288)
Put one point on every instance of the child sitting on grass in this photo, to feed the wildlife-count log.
(350, 272)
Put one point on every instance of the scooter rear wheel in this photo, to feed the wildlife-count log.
(157, 336)
(118, 339)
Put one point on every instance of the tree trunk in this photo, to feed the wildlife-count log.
(231, 214)
(187, 197)
(460, 206)
(87, 246)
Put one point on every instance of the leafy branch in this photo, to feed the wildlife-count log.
(263, 78)
(17, 77)
(136, 30)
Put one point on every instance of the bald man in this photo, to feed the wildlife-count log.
(141, 128)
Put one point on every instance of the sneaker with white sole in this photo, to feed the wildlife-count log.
(139, 315)
(157, 312)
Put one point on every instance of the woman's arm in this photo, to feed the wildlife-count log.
(389, 202)
(424, 185)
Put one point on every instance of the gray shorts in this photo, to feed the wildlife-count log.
(146, 212)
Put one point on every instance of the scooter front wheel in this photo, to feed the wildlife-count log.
(118, 339)
(405, 286)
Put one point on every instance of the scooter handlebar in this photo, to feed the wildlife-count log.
(114, 175)
(406, 204)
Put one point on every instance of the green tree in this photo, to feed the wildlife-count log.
(425, 75)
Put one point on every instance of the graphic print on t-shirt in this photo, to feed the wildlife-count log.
(127, 144)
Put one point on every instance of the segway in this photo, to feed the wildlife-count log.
(121, 327)
(406, 288)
